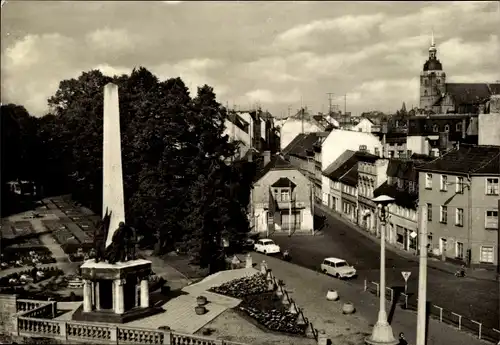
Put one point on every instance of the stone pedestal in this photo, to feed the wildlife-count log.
(110, 291)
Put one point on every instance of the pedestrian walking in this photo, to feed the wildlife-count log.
(402, 340)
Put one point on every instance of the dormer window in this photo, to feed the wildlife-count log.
(435, 128)
(458, 127)
(446, 128)
(285, 194)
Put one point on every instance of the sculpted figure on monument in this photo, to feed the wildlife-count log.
(100, 235)
(122, 247)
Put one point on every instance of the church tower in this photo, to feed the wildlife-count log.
(432, 80)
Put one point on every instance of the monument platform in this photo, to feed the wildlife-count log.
(116, 292)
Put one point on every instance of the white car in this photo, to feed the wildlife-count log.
(338, 268)
(266, 246)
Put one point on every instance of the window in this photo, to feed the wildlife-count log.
(459, 217)
(444, 183)
(401, 153)
(391, 154)
(491, 219)
(435, 128)
(458, 127)
(443, 214)
(459, 187)
(408, 153)
(446, 128)
(428, 181)
(429, 212)
(285, 195)
(459, 250)
(400, 182)
(377, 152)
(492, 186)
(410, 186)
(486, 254)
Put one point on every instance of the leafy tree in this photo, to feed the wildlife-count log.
(178, 188)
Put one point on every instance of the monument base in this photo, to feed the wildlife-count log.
(115, 293)
(110, 317)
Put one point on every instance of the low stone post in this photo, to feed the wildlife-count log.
(248, 261)
(322, 338)
(263, 267)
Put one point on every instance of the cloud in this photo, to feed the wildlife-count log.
(438, 17)
(29, 75)
(275, 54)
(270, 97)
(111, 41)
(350, 27)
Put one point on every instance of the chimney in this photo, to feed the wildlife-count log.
(443, 141)
(267, 157)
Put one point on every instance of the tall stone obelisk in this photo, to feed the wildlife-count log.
(112, 175)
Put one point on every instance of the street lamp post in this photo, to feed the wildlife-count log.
(382, 331)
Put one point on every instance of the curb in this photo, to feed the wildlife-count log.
(391, 248)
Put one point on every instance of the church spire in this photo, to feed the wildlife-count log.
(432, 48)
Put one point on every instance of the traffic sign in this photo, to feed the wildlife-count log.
(406, 275)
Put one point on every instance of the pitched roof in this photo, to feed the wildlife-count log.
(467, 159)
(471, 93)
(403, 168)
(401, 198)
(283, 182)
(342, 165)
(304, 143)
(351, 177)
(238, 121)
(336, 164)
(276, 163)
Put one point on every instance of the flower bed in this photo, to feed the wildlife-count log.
(33, 275)
(18, 257)
(242, 287)
(261, 304)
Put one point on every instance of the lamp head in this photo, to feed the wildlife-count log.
(383, 200)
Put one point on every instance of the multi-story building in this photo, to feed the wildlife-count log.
(402, 185)
(281, 198)
(336, 143)
(349, 193)
(372, 173)
(332, 192)
(461, 192)
(432, 134)
(304, 152)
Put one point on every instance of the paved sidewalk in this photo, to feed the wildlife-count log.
(447, 267)
(308, 288)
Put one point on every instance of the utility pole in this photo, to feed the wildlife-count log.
(422, 280)
(289, 110)
(330, 99)
(302, 113)
(290, 211)
(345, 104)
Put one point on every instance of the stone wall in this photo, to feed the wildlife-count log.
(7, 310)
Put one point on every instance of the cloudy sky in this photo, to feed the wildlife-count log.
(273, 53)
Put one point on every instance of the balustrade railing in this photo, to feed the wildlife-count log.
(27, 304)
(72, 331)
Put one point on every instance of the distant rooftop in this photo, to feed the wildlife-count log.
(467, 159)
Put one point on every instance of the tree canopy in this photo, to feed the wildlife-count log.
(178, 185)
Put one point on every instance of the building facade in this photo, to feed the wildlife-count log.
(282, 199)
(372, 173)
(461, 192)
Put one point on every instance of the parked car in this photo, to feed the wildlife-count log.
(338, 268)
(267, 246)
